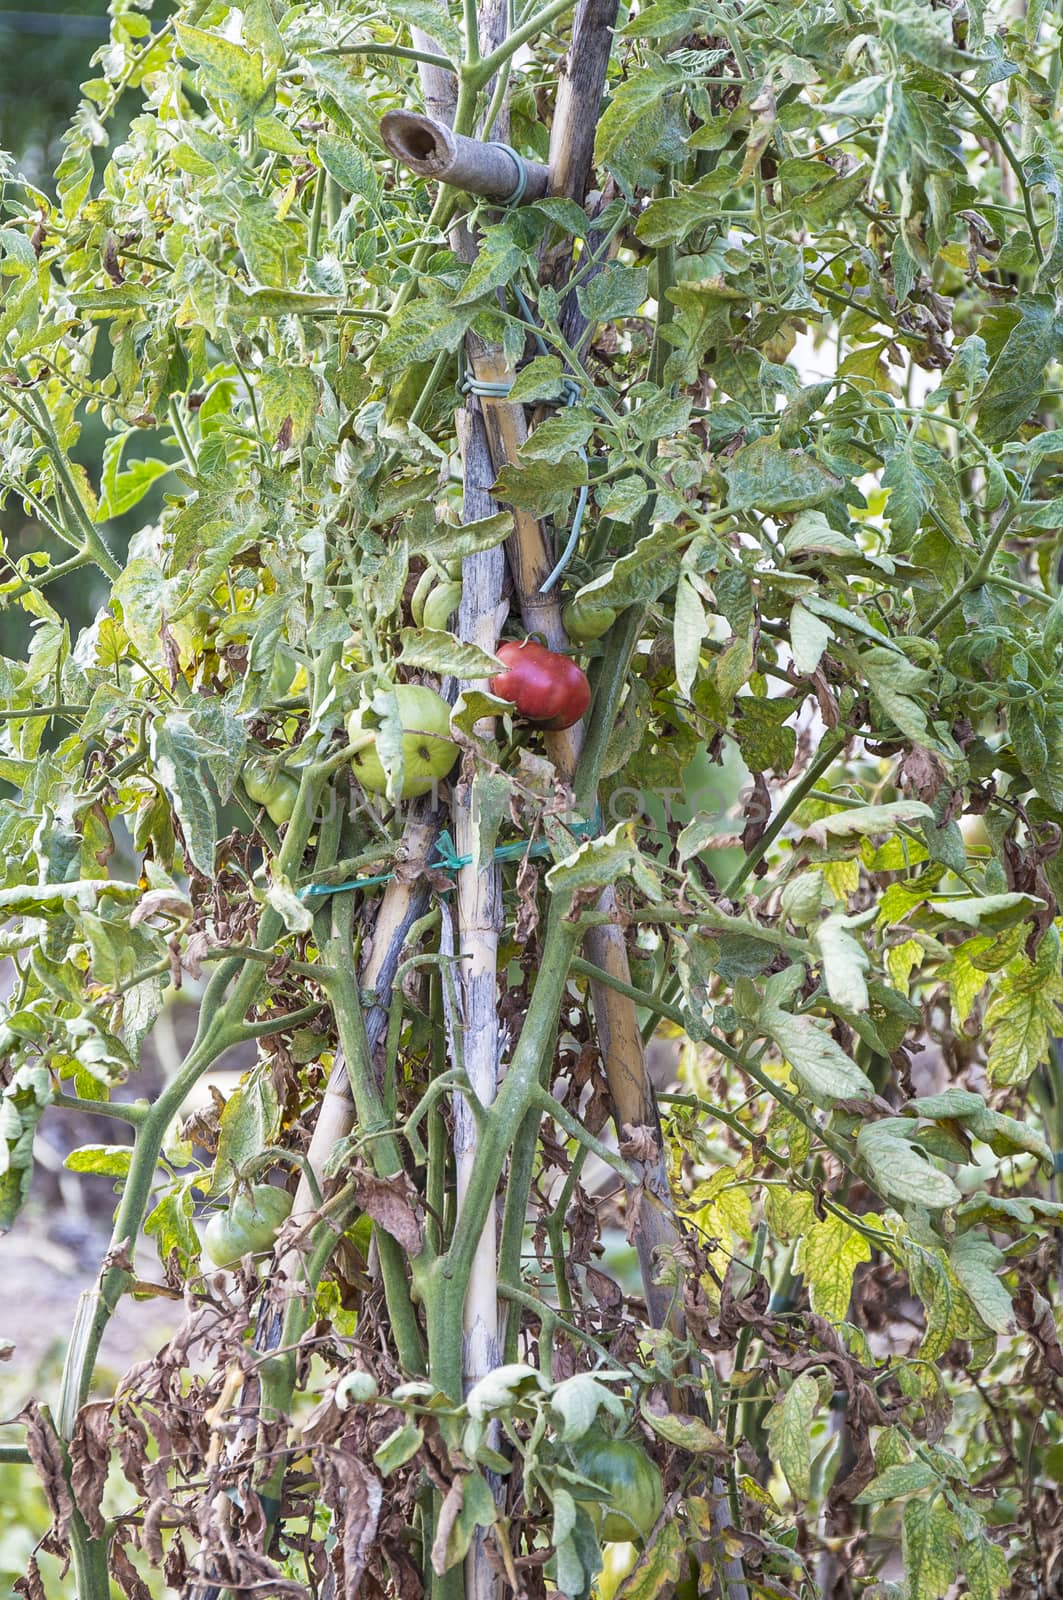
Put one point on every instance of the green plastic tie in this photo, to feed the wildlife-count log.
(448, 860)
(521, 184)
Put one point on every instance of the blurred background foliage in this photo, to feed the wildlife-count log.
(45, 55)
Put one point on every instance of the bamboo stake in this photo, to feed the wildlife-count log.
(488, 169)
(478, 909)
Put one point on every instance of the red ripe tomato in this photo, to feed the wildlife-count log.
(545, 687)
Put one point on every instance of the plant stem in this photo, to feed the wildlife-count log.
(484, 70)
(136, 1113)
(402, 51)
(977, 574)
(808, 780)
(587, 969)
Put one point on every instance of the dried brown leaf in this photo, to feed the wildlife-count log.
(46, 1453)
(90, 1455)
(449, 1512)
(32, 1585)
(388, 1202)
(355, 1496)
(126, 1575)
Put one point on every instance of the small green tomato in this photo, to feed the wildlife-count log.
(269, 786)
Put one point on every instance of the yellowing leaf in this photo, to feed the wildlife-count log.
(789, 1427)
(827, 1256)
(1022, 1019)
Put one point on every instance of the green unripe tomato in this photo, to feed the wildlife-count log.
(630, 1483)
(268, 786)
(422, 589)
(584, 620)
(428, 751)
(440, 605)
(250, 1224)
(802, 898)
(357, 1388)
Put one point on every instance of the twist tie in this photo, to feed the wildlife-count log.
(448, 860)
(1057, 1162)
(521, 184)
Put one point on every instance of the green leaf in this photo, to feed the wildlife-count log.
(398, 1448)
(629, 129)
(900, 1170)
(689, 627)
(448, 541)
(545, 487)
(558, 435)
(616, 291)
(763, 477)
(344, 161)
(845, 962)
(140, 592)
(825, 1071)
(442, 653)
(228, 70)
(976, 1261)
(809, 637)
(789, 1428)
(687, 1433)
(170, 1223)
(601, 861)
(250, 1120)
(293, 912)
(1015, 377)
(909, 1477)
(640, 576)
(921, 35)
(179, 755)
(865, 820)
(422, 328)
(287, 400)
(432, 19)
(985, 1566)
(899, 689)
(24, 1099)
(121, 490)
(578, 1400)
(1022, 1019)
(112, 1160)
(272, 249)
(499, 260)
(501, 1388)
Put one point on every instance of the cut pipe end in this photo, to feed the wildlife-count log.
(419, 142)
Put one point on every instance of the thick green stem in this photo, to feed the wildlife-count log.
(374, 1123)
(516, 1096)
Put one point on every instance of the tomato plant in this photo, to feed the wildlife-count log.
(427, 751)
(543, 685)
(248, 1225)
(748, 315)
